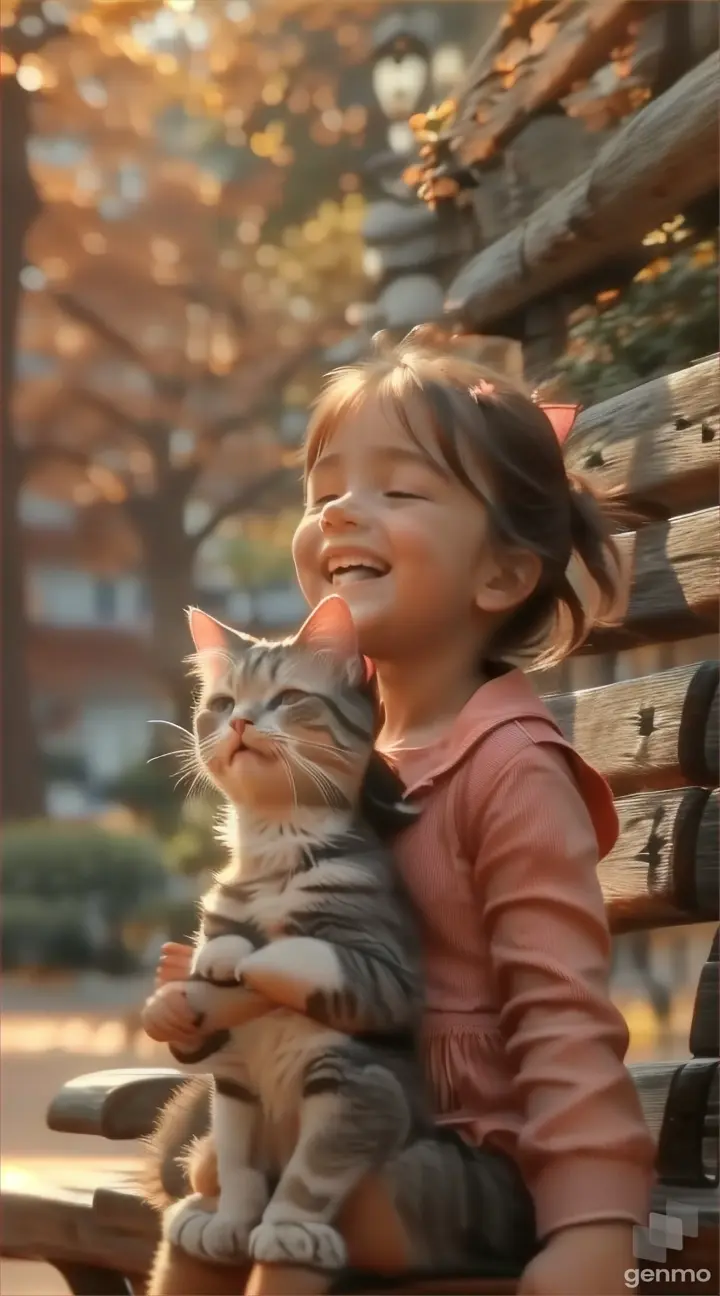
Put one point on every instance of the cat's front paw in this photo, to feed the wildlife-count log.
(298, 1242)
(221, 959)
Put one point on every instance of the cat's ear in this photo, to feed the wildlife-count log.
(213, 643)
(207, 634)
(330, 629)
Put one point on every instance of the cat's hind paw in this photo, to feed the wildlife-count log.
(295, 1242)
(185, 1222)
(225, 1238)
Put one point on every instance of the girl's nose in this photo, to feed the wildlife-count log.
(338, 513)
(238, 724)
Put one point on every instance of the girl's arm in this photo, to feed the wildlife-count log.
(585, 1151)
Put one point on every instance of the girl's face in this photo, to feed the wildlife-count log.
(388, 527)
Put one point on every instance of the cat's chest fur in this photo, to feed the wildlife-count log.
(270, 1054)
(269, 907)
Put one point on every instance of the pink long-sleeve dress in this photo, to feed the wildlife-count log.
(523, 1045)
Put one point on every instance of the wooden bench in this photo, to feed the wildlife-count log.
(656, 740)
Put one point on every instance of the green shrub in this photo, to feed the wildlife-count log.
(59, 862)
(67, 891)
(35, 934)
(149, 791)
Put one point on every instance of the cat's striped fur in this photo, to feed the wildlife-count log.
(306, 1102)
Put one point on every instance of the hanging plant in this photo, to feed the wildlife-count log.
(434, 177)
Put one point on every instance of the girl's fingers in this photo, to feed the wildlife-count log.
(174, 950)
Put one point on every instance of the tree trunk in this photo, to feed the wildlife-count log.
(22, 784)
(169, 558)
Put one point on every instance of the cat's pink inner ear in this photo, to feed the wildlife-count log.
(369, 667)
(207, 633)
(330, 628)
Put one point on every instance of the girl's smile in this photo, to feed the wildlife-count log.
(387, 525)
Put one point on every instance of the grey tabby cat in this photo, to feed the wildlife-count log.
(310, 1096)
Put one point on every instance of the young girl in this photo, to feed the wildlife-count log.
(439, 506)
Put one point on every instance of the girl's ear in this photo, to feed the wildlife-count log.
(330, 629)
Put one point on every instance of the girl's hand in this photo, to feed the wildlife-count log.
(168, 1018)
(174, 963)
(584, 1260)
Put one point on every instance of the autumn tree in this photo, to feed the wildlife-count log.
(190, 222)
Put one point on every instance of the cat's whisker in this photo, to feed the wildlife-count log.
(330, 748)
(288, 769)
(187, 733)
(324, 784)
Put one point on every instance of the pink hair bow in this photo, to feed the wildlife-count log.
(561, 417)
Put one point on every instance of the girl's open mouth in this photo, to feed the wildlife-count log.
(347, 569)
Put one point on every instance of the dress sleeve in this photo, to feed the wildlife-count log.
(585, 1151)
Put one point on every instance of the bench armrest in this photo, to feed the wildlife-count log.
(122, 1104)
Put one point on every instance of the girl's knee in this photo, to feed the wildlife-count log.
(373, 1230)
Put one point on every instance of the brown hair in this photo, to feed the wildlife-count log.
(535, 503)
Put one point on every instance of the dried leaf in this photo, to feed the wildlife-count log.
(541, 34)
(445, 188)
(653, 270)
(413, 175)
(511, 56)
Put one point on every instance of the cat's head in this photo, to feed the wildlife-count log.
(280, 725)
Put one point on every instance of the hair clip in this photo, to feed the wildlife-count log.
(561, 417)
(482, 388)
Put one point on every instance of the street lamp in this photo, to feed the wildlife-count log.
(399, 76)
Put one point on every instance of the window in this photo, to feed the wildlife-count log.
(105, 601)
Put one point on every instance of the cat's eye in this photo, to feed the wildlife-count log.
(221, 702)
(286, 697)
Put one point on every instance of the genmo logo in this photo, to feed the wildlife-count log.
(660, 1273)
(665, 1233)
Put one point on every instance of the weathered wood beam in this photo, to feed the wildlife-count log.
(675, 582)
(113, 1104)
(631, 730)
(704, 1040)
(45, 1222)
(664, 158)
(582, 43)
(660, 442)
(658, 874)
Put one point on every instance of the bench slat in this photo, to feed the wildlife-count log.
(676, 578)
(118, 1104)
(659, 441)
(51, 1224)
(659, 873)
(705, 1028)
(630, 730)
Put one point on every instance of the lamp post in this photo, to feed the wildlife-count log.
(417, 60)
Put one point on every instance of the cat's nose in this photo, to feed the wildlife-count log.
(238, 724)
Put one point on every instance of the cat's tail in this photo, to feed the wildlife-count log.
(179, 1147)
